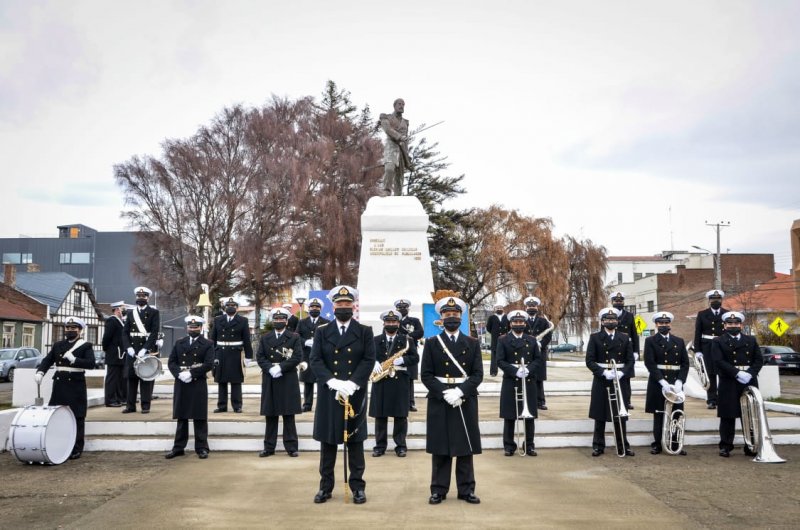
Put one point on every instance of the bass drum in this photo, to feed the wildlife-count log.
(43, 435)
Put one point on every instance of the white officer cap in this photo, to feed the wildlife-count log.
(390, 315)
(402, 301)
(451, 303)
(733, 316)
(142, 290)
(616, 294)
(661, 316)
(115, 305)
(342, 292)
(532, 300)
(498, 306)
(228, 300)
(314, 302)
(607, 312)
(715, 292)
(278, 312)
(194, 321)
(75, 321)
(518, 314)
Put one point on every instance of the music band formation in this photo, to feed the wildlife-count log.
(341, 357)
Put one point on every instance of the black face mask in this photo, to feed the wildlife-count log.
(392, 328)
(141, 302)
(664, 330)
(532, 311)
(518, 329)
(498, 312)
(403, 311)
(452, 324)
(279, 325)
(194, 333)
(343, 314)
(314, 313)
(618, 305)
(230, 310)
(71, 335)
(734, 331)
(716, 304)
(610, 325)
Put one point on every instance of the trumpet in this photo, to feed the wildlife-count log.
(674, 424)
(700, 366)
(618, 410)
(522, 395)
(755, 428)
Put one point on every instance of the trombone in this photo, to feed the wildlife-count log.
(618, 410)
(522, 395)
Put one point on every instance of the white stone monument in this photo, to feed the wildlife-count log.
(395, 260)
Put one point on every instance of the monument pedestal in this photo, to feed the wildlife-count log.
(395, 260)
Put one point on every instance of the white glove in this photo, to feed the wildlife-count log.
(663, 383)
(521, 373)
(743, 377)
(698, 355)
(70, 357)
(377, 368)
(608, 374)
(350, 388)
(451, 395)
(249, 362)
(303, 366)
(335, 384)
(186, 377)
(398, 362)
(131, 352)
(142, 353)
(636, 356)
(159, 343)
(309, 343)
(457, 402)
(341, 395)
(275, 371)
(678, 386)
(620, 375)
(38, 376)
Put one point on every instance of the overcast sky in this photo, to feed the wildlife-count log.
(603, 116)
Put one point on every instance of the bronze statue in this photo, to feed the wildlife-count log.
(395, 151)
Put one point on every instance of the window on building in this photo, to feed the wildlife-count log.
(65, 257)
(637, 276)
(28, 335)
(651, 306)
(619, 277)
(81, 257)
(631, 308)
(91, 334)
(8, 335)
(12, 258)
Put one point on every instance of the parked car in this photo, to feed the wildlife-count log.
(13, 358)
(563, 347)
(99, 359)
(783, 357)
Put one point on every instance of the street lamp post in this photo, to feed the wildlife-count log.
(301, 300)
(717, 269)
(530, 287)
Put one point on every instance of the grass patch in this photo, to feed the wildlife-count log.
(788, 401)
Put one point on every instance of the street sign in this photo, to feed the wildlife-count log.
(641, 325)
(779, 326)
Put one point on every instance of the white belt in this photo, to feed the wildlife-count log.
(620, 366)
(68, 369)
(401, 369)
(668, 366)
(137, 334)
(743, 368)
(239, 343)
(451, 380)
(708, 337)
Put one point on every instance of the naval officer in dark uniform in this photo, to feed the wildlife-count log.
(342, 357)
(231, 338)
(667, 362)
(738, 362)
(140, 338)
(71, 358)
(306, 328)
(626, 323)
(708, 326)
(115, 356)
(190, 360)
(495, 327)
(452, 369)
(279, 353)
(412, 327)
(537, 325)
(390, 392)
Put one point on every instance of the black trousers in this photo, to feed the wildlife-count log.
(441, 470)
(658, 424)
(327, 463)
(80, 423)
(599, 437)
(711, 370)
(540, 398)
(308, 394)
(134, 384)
(399, 431)
(289, 433)
(411, 402)
(200, 435)
(114, 387)
(510, 434)
(236, 395)
(493, 360)
(727, 432)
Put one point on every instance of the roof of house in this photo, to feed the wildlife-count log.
(11, 311)
(50, 288)
(639, 258)
(774, 296)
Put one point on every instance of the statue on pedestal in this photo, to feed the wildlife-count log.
(395, 150)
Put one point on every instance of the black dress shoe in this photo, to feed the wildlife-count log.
(655, 450)
(202, 455)
(128, 411)
(711, 406)
(508, 453)
(75, 455)
(294, 454)
(377, 452)
(401, 453)
(175, 452)
(748, 452)
(628, 452)
(321, 497)
(114, 405)
(436, 498)
(542, 407)
(597, 452)
(237, 411)
(221, 409)
(493, 374)
(725, 453)
(145, 411)
(265, 453)
(306, 408)
(629, 406)
(470, 498)
(683, 452)
(412, 408)
(359, 497)
(531, 451)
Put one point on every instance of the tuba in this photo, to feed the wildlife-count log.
(700, 366)
(618, 410)
(674, 424)
(755, 428)
(522, 395)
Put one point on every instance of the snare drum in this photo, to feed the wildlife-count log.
(44, 435)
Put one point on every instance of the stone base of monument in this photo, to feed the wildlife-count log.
(395, 260)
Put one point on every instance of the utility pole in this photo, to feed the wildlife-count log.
(717, 261)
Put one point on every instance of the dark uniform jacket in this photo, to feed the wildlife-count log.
(390, 395)
(230, 368)
(534, 326)
(291, 324)
(627, 325)
(707, 324)
(135, 338)
(113, 342)
(190, 400)
(511, 351)
(494, 325)
(281, 396)
(69, 388)
(445, 427)
(348, 357)
(600, 350)
(660, 351)
(306, 329)
(731, 356)
(413, 327)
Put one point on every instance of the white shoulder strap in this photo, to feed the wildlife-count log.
(138, 321)
(444, 347)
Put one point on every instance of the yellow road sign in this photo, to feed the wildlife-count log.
(641, 325)
(779, 326)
